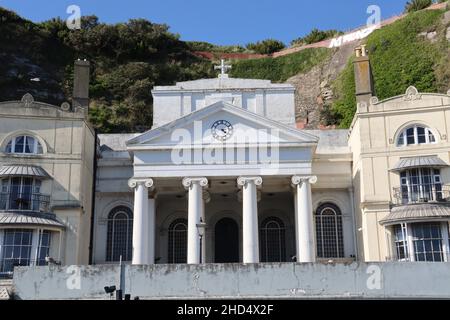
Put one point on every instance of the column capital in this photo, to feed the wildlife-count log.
(296, 180)
(134, 182)
(188, 181)
(242, 181)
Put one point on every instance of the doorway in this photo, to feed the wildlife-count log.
(226, 241)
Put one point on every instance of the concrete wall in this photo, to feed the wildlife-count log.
(288, 280)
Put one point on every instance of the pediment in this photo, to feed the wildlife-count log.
(221, 123)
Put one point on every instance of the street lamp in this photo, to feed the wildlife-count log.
(201, 228)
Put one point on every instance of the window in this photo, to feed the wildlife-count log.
(424, 241)
(120, 234)
(178, 241)
(24, 145)
(401, 242)
(44, 247)
(421, 185)
(415, 135)
(22, 193)
(273, 242)
(16, 249)
(427, 242)
(329, 235)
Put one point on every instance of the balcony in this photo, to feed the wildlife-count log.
(422, 193)
(35, 202)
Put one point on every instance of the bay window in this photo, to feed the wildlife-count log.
(23, 247)
(420, 185)
(22, 193)
(427, 241)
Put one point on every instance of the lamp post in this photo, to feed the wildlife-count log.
(201, 228)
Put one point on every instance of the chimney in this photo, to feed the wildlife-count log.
(363, 76)
(80, 97)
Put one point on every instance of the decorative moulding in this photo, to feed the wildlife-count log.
(27, 100)
(412, 94)
(65, 106)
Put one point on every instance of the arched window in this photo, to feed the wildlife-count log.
(329, 236)
(120, 234)
(24, 145)
(416, 134)
(273, 241)
(178, 241)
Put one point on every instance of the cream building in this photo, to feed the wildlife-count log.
(225, 176)
(46, 179)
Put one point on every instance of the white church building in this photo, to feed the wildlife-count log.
(224, 176)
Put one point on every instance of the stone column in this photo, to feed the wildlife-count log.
(306, 247)
(141, 220)
(195, 208)
(250, 218)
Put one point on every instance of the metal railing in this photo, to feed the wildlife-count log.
(7, 265)
(421, 193)
(26, 202)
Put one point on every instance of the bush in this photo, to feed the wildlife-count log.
(399, 59)
(314, 36)
(281, 68)
(416, 5)
(266, 46)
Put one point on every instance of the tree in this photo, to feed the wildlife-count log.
(267, 46)
(416, 5)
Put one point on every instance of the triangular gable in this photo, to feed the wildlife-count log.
(294, 134)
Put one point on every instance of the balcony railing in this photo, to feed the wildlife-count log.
(421, 193)
(27, 202)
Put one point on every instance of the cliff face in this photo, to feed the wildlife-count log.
(315, 87)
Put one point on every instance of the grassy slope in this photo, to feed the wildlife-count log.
(399, 58)
(281, 68)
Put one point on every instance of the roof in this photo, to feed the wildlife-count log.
(25, 218)
(331, 141)
(422, 161)
(19, 170)
(115, 142)
(418, 212)
(224, 83)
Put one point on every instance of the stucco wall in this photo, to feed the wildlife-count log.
(288, 280)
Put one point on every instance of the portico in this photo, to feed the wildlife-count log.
(249, 194)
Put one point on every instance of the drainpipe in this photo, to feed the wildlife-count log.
(94, 187)
(355, 231)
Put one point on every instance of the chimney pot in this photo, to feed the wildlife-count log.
(80, 97)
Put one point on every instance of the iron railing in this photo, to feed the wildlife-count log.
(26, 202)
(422, 193)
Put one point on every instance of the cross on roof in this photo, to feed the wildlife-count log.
(223, 68)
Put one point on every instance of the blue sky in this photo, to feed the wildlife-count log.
(220, 22)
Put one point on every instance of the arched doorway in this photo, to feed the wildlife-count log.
(226, 241)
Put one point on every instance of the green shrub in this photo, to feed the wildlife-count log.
(399, 58)
(281, 68)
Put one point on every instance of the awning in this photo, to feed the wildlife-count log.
(23, 218)
(418, 212)
(19, 170)
(416, 162)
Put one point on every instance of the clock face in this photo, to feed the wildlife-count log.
(222, 130)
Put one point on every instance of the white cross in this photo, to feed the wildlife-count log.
(223, 67)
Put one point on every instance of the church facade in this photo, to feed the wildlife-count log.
(224, 176)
